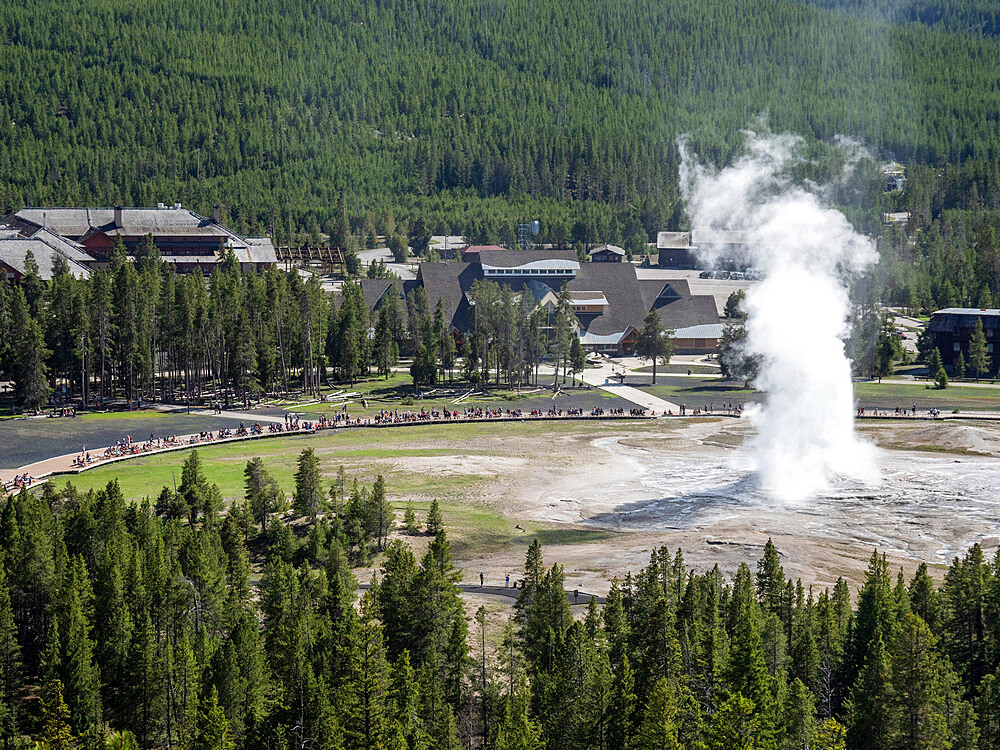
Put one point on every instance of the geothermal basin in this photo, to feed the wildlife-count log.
(693, 486)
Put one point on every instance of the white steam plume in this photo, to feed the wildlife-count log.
(797, 317)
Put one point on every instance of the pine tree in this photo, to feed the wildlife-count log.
(27, 354)
(770, 578)
(654, 343)
(193, 487)
(979, 358)
(385, 516)
(83, 683)
(434, 524)
(960, 365)
(410, 519)
(735, 725)
(308, 486)
(213, 727)
(55, 718)
(800, 717)
(577, 358)
(869, 708)
(918, 700)
(262, 493)
(658, 729)
(622, 706)
(934, 362)
(10, 664)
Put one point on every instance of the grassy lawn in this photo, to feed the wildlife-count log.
(450, 463)
(679, 369)
(891, 395)
(694, 392)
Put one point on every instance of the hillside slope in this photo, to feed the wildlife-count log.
(486, 104)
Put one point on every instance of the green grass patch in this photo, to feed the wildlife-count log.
(890, 395)
(97, 416)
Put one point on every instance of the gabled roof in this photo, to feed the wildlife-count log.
(14, 252)
(254, 250)
(72, 250)
(663, 290)
(374, 290)
(607, 249)
(618, 281)
(701, 237)
(480, 248)
(448, 282)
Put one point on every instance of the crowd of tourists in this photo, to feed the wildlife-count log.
(899, 411)
(19, 482)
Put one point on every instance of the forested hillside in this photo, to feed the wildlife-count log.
(474, 113)
(194, 630)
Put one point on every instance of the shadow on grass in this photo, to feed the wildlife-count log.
(569, 536)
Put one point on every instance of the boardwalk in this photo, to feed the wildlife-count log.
(67, 463)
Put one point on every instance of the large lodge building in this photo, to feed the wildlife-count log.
(608, 299)
(84, 236)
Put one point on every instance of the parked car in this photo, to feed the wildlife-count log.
(705, 275)
(737, 276)
(721, 275)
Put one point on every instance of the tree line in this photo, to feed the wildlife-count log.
(173, 624)
(139, 332)
(474, 116)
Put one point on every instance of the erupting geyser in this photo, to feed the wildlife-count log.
(797, 317)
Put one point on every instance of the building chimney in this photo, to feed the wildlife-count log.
(118, 216)
(215, 213)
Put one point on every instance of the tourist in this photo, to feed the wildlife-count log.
(506, 583)
(482, 580)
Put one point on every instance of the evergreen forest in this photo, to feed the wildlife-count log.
(140, 332)
(473, 115)
(169, 624)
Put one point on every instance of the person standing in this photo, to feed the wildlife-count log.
(482, 579)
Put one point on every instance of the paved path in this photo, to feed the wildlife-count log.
(603, 378)
(64, 464)
(244, 416)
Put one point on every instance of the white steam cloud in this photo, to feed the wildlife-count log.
(797, 317)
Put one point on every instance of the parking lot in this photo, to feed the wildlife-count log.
(718, 288)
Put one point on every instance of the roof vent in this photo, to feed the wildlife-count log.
(160, 205)
(177, 206)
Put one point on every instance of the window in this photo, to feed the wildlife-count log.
(956, 347)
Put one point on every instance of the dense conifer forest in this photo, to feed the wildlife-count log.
(170, 624)
(471, 114)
